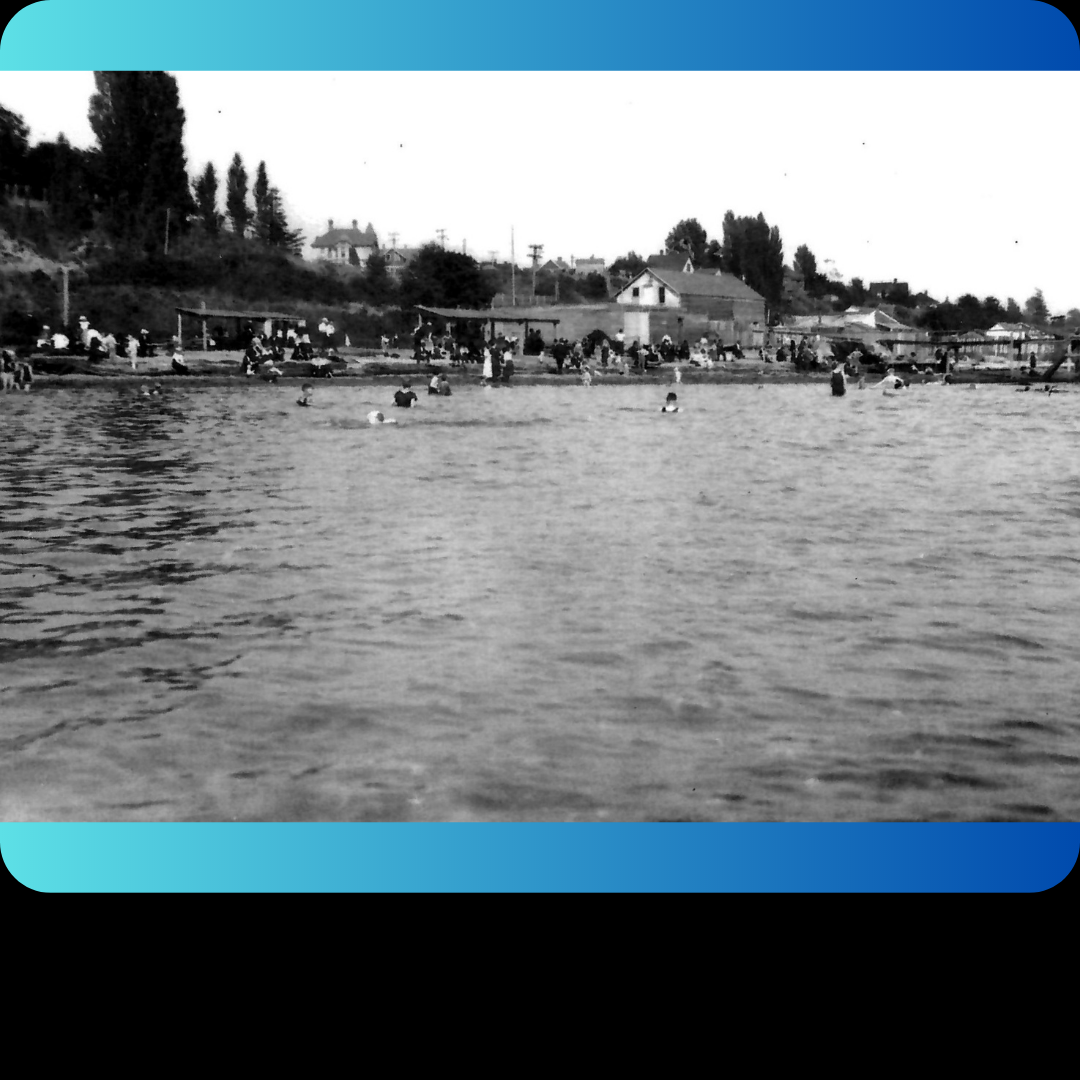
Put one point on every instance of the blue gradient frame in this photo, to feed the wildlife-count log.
(482, 35)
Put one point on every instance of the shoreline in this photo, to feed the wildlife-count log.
(213, 369)
(659, 379)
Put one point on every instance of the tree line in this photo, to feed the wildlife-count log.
(134, 184)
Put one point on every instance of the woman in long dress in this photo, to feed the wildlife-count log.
(487, 364)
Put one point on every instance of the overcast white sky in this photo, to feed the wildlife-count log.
(953, 182)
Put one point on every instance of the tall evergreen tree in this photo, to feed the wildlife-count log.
(206, 199)
(264, 206)
(14, 136)
(278, 233)
(236, 204)
(139, 124)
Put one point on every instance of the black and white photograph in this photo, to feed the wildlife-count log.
(531, 446)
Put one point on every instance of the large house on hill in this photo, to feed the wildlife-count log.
(346, 245)
(687, 305)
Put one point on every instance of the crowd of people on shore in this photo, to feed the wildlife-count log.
(93, 345)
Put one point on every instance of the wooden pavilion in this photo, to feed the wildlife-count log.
(267, 318)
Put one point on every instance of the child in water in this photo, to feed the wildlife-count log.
(672, 404)
(306, 390)
(376, 417)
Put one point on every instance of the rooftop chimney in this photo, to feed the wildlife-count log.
(331, 224)
(354, 224)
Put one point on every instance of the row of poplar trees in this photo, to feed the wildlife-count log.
(143, 187)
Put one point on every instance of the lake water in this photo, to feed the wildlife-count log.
(540, 603)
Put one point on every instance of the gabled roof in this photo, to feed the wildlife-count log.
(724, 286)
(675, 262)
(352, 237)
(405, 254)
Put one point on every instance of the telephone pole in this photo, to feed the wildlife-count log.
(513, 282)
(441, 234)
(536, 250)
(393, 240)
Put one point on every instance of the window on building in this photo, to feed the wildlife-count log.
(663, 293)
(636, 293)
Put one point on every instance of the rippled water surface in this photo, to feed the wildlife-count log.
(540, 603)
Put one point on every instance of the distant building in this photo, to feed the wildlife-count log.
(882, 323)
(341, 245)
(591, 265)
(554, 266)
(397, 259)
(686, 305)
(681, 263)
(894, 288)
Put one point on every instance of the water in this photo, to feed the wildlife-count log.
(540, 603)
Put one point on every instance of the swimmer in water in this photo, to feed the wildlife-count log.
(376, 417)
(307, 391)
(404, 398)
(892, 381)
(672, 404)
(837, 380)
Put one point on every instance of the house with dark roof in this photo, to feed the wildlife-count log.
(346, 245)
(554, 266)
(685, 305)
(399, 258)
(674, 261)
(895, 290)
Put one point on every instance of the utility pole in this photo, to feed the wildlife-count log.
(536, 250)
(393, 240)
(513, 283)
(441, 234)
(491, 257)
(64, 274)
(168, 215)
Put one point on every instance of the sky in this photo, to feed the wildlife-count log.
(952, 182)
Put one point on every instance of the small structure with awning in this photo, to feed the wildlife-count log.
(267, 318)
(524, 315)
